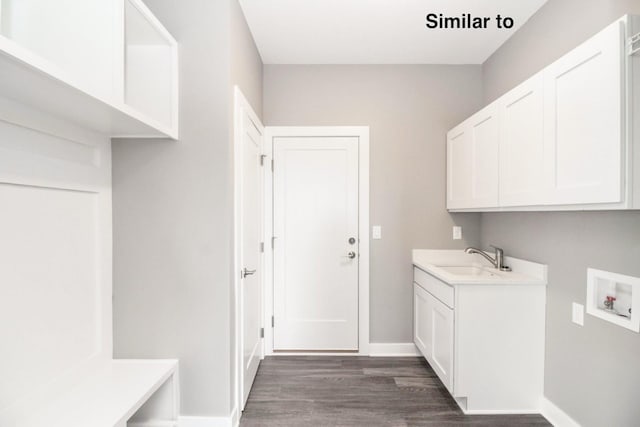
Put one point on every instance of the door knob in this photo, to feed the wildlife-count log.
(351, 255)
(246, 272)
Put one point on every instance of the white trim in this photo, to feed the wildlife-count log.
(500, 411)
(401, 349)
(241, 106)
(555, 415)
(190, 421)
(354, 353)
(235, 417)
(362, 132)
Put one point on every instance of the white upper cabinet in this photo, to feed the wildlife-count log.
(521, 145)
(584, 121)
(472, 150)
(565, 136)
(83, 49)
(105, 65)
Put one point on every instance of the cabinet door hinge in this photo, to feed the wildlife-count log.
(273, 242)
(262, 247)
(261, 332)
(272, 165)
(273, 322)
(262, 156)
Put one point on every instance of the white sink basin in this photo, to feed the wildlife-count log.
(468, 271)
(455, 267)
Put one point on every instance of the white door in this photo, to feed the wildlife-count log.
(315, 208)
(583, 107)
(522, 180)
(251, 256)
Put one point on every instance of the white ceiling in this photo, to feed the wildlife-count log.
(377, 31)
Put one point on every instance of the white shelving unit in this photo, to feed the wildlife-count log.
(119, 79)
(150, 67)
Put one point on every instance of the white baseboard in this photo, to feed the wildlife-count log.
(403, 349)
(230, 421)
(235, 417)
(555, 415)
(500, 411)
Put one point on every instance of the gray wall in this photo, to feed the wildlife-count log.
(558, 27)
(409, 109)
(246, 63)
(591, 372)
(172, 211)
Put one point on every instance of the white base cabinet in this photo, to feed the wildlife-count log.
(565, 139)
(485, 342)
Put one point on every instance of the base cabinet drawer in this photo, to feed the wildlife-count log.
(433, 333)
(435, 287)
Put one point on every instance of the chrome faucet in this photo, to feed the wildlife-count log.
(497, 261)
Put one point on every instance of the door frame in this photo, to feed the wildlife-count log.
(362, 133)
(241, 106)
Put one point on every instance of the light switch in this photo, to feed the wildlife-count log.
(577, 314)
(377, 232)
(457, 232)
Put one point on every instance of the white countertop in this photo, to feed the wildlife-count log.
(523, 272)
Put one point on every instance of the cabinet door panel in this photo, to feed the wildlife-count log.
(421, 324)
(433, 333)
(521, 145)
(472, 162)
(459, 168)
(441, 318)
(485, 134)
(583, 117)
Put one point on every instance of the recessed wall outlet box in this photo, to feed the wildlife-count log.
(577, 314)
(614, 297)
(377, 232)
(457, 232)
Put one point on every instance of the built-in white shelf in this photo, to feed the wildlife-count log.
(151, 66)
(120, 78)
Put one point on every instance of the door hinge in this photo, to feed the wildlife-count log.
(261, 332)
(273, 322)
(633, 40)
(262, 247)
(272, 165)
(273, 242)
(262, 156)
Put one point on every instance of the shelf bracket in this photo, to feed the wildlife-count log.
(634, 44)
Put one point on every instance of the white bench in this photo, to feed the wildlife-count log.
(112, 394)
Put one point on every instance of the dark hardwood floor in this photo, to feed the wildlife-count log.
(310, 391)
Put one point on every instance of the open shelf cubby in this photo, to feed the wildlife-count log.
(151, 66)
(119, 79)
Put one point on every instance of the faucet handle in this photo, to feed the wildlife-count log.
(498, 250)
